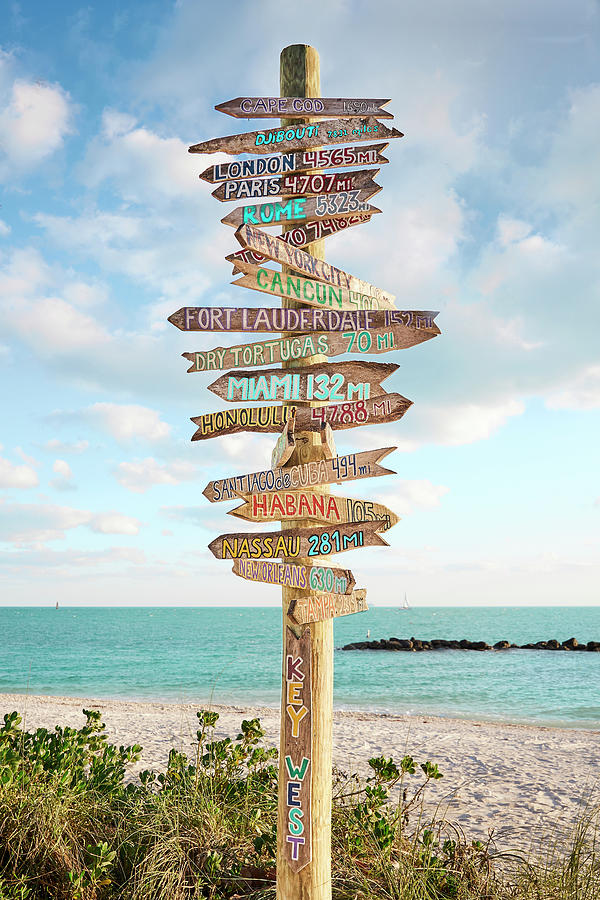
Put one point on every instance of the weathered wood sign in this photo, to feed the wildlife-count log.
(327, 606)
(285, 445)
(325, 382)
(306, 290)
(274, 507)
(263, 353)
(267, 419)
(299, 137)
(324, 579)
(297, 747)
(275, 249)
(284, 163)
(349, 467)
(298, 185)
(302, 542)
(266, 319)
(299, 107)
(300, 235)
(304, 209)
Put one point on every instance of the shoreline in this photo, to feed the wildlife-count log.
(512, 778)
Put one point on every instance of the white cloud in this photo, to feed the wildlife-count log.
(15, 476)
(141, 474)
(64, 479)
(127, 423)
(34, 120)
(407, 496)
(56, 446)
(4, 228)
(114, 523)
(38, 523)
(582, 392)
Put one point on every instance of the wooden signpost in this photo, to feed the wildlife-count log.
(306, 290)
(268, 419)
(313, 505)
(273, 248)
(350, 467)
(304, 209)
(416, 325)
(299, 184)
(299, 137)
(284, 163)
(275, 107)
(326, 382)
(304, 610)
(322, 579)
(325, 312)
(297, 543)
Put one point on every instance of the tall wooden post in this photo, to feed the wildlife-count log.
(300, 77)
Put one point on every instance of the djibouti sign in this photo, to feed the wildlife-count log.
(299, 137)
(350, 467)
(299, 107)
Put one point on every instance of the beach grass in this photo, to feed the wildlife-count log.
(74, 826)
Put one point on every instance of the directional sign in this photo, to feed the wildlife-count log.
(274, 507)
(299, 137)
(300, 107)
(300, 184)
(406, 323)
(323, 579)
(327, 606)
(292, 543)
(306, 290)
(301, 235)
(274, 248)
(350, 467)
(285, 446)
(267, 419)
(297, 748)
(325, 382)
(304, 209)
(284, 163)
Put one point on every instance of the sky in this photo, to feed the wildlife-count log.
(491, 211)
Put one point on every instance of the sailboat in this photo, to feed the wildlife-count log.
(405, 604)
(56, 607)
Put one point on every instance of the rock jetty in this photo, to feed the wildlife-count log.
(414, 644)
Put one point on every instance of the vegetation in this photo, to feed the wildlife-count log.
(72, 828)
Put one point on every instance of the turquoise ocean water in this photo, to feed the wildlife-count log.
(233, 655)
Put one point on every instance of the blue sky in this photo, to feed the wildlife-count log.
(490, 215)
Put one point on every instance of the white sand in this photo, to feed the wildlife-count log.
(513, 779)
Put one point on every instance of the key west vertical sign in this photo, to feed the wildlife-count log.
(324, 312)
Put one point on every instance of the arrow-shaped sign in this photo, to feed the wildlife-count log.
(318, 507)
(291, 543)
(324, 382)
(327, 606)
(298, 185)
(267, 419)
(304, 209)
(302, 107)
(279, 251)
(307, 290)
(284, 163)
(322, 579)
(351, 467)
(299, 137)
(258, 320)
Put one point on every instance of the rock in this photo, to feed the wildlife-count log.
(541, 645)
(501, 645)
(593, 646)
(480, 645)
(571, 644)
(552, 645)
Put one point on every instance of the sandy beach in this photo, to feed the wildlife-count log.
(512, 779)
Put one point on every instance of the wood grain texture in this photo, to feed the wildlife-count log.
(269, 419)
(312, 505)
(290, 286)
(286, 163)
(285, 444)
(299, 107)
(319, 607)
(298, 210)
(298, 753)
(299, 137)
(304, 576)
(338, 382)
(275, 249)
(350, 467)
(300, 184)
(297, 543)
(258, 320)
